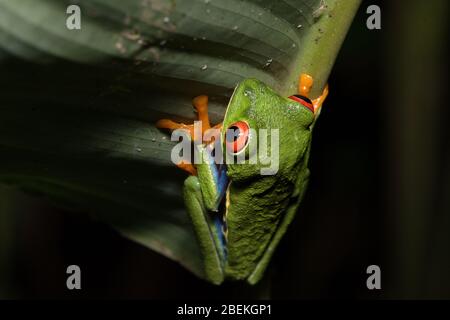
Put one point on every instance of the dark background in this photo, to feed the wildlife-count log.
(379, 191)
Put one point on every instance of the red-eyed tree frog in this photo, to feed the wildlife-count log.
(239, 214)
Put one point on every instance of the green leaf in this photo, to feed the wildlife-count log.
(77, 107)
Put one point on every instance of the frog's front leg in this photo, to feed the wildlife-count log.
(200, 104)
(202, 193)
(305, 84)
(207, 237)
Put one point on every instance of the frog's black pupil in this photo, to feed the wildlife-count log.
(235, 134)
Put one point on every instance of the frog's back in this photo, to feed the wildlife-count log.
(254, 213)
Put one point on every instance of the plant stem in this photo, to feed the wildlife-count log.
(324, 41)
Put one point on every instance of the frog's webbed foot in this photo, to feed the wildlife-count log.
(172, 125)
(304, 87)
(200, 104)
(317, 103)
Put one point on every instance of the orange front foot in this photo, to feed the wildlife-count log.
(317, 103)
(305, 84)
(200, 104)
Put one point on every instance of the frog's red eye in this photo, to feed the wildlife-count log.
(303, 100)
(237, 136)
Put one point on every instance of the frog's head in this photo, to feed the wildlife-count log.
(265, 131)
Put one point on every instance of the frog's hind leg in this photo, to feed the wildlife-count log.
(207, 238)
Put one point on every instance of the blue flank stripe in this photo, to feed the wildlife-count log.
(219, 173)
(218, 222)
